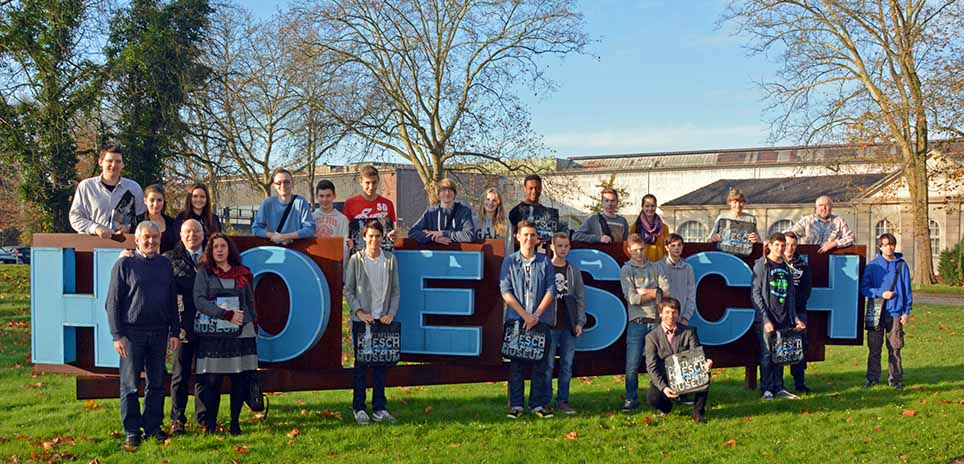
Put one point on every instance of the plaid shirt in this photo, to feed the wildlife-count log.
(813, 231)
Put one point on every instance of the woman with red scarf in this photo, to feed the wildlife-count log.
(225, 326)
(650, 227)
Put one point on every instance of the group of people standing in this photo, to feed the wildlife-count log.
(193, 296)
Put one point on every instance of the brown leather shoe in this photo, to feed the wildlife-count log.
(177, 428)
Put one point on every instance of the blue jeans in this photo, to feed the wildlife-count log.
(145, 352)
(771, 375)
(635, 346)
(538, 390)
(563, 343)
(360, 383)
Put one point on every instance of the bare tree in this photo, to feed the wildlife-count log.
(439, 77)
(859, 71)
(251, 101)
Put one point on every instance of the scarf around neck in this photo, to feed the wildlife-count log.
(240, 273)
(649, 232)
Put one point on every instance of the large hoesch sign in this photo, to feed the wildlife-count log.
(451, 310)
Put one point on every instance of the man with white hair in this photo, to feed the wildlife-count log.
(823, 228)
(184, 262)
(142, 314)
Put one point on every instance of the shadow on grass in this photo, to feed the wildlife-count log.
(728, 399)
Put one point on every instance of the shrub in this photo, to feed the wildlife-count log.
(950, 265)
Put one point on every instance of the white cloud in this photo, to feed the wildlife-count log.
(645, 139)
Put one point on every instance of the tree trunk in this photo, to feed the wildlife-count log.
(916, 175)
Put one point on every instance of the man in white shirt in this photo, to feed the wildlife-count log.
(108, 204)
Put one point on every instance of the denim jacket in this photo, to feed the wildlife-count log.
(512, 280)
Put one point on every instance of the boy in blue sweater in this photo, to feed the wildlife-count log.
(887, 281)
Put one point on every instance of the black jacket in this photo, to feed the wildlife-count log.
(803, 282)
(184, 270)
(658, 349)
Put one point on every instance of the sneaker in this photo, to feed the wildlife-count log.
(630, 406)
(514, 413)
(870, 383)
(159, 435)
(235, 429)
(565, 408)
(382, 416)
(767, 396)
(803, 390)
(361, 417)
(542, 413)
(783, 393)
(177, 428)
(132, 442)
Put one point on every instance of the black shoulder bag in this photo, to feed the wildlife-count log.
(604, 226)
(284, 216)
(873, 311)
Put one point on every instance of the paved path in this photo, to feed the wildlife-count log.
(939, 299)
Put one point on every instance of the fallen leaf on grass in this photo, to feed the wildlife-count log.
(90, 405)
(585, 380)
(747, 419)
(241, 449)
(115, 434)
(903, 457)
(299, 403)
(294, 432)
(877, 429)
(923, 401)
(730, 443)
(36, 385)
(572, 435)
(806, 412)
(305, 412)
(943, 327)
(259, 415)
(909, 413)
(427, 410)
(850, 420)
(647, 420)
(329, 414)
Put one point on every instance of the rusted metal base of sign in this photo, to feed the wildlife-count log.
(321, 367)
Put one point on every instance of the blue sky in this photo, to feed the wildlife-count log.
(666, 79)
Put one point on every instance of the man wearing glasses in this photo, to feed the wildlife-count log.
(284, 217)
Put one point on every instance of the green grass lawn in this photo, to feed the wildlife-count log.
(841, 422)
(941, 289)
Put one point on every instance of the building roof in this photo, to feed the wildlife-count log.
(782, 191)
(825, 154)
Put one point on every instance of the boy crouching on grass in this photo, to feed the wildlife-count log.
(371, 289)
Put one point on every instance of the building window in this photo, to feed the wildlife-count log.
(935, 235)
(779, 226)
(883, 227)
(692, 231)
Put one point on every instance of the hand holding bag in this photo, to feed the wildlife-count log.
(520, 344)
(786, 347)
